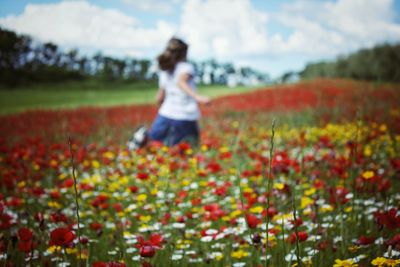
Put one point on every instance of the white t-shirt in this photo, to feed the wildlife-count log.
(177, 104)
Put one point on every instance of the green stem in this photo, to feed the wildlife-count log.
(76, 199)
(271, 150)
(296, 228)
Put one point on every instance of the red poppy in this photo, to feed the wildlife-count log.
(214, 167)
(142, 176)
(118, 207)
(394, 242)
(147, 251)
(338, 195)
(299, 222)
(25, 234)
(133, 189)
(252, 220)
(302, 237)
(25, 246)
(365, 240)
(96, 226)
(148, 247)
(58, 217)
(5, 221)
(156, 240)
(55, 194)
(25, 243)
(389, 218)
(61, 237)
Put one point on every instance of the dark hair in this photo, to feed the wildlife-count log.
(175, 51)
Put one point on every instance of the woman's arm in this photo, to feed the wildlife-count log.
(160, 96)
(183, 84)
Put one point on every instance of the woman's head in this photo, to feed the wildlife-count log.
(175, 51)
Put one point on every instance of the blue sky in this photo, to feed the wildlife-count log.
(272, 36)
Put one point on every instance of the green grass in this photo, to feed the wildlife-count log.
(91, 93)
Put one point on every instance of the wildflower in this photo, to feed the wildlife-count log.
(256, 209)
(279, 186)
(142, 197)
(61, 237)
(365, 240)
(381, 261)
(239, 254)
(389, 218)
(147, 248)
(302, 237)
(25, 243)
(344, 263)
(306, 201)
(252, 220)
(147, 251)
(142, 176)
(368, 175)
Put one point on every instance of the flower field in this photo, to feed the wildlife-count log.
(297, 175)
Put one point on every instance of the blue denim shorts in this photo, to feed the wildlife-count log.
(172, 132)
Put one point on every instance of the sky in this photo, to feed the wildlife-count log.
(269, 35)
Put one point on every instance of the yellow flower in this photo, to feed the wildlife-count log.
(218, 256)
(142, 197)
(279, 186)
(239, 254)
(383, 128)
(53, 163)
(235, 213)
(185, 182)
(344, 263)
(54, 249)
(368, 175)
(367, 151)
(223, 149)
(154, 192)
(235, 124)
(54, 204)
(348, 209)
(257, 209)
(310, 191)
(381, 261)
(71, 250)
(203, 183)
(95, 164)
(145, 218)
(306, 201)
(325, 208)
(36, 167)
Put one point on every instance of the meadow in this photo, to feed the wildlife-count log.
(305, 174)
(91, 92)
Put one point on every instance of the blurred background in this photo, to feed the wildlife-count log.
(56, 54)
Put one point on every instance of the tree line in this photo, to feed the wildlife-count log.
(380, 63)
(25, 61)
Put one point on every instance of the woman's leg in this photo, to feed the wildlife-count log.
(184, 131)
(160, 129)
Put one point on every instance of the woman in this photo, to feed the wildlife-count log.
(178, 115)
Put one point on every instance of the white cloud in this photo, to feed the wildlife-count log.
(330, 28)
(223, 28)
(157, 6)
(80, 24)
